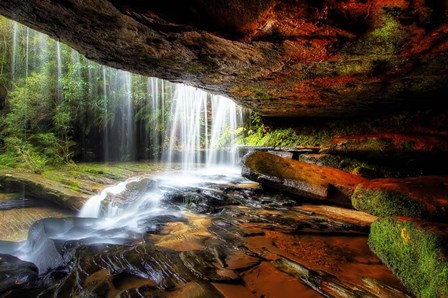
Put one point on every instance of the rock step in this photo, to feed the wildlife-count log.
(43, 188)
(421, 151)
(287, 152)
(301, 178)
(424, 197)
(357, 166)
(416, 251)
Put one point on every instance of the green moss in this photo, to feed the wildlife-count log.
(384, 40)
(417, 256)
(386, 203)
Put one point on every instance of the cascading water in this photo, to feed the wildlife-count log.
(176, 124)
(59, 72)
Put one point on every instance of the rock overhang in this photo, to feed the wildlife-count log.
(277, 57)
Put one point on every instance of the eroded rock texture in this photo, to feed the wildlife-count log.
(278, 57)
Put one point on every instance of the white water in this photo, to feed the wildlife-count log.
(59, 71)
(187, 127)
(200, 124)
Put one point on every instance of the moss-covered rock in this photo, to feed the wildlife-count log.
(416, 251)
(423, 197)
(388, 146)
(301, 178)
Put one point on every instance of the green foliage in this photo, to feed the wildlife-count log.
(386, 203)
(417, 255)
(53, 108)
(256, 133)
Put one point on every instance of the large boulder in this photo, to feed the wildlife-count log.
(15, 273)
(301, 178)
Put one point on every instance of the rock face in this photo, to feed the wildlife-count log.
(301, 178)
(278, 57)
(15, 272)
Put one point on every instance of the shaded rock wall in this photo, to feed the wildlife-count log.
(278, 57)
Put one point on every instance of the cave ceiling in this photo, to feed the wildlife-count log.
(279, 57)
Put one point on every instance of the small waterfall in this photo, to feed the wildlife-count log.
(59, 71)
(202, 126)
(120, 129)
(189, 112)
(105, 116)
(177, 124)
(15, 48)
(226, 117)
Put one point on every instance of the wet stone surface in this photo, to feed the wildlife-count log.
(230, 240)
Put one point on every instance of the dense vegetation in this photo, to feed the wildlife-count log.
(57, 106)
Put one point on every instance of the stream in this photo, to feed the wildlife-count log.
(206, 232)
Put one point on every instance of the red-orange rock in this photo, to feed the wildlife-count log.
(423, 197)
(278, 57)
(301, 178)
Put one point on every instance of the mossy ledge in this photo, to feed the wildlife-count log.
(385, 203)
(422, 197)
(416, 251)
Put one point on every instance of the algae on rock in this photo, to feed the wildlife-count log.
(416, 251)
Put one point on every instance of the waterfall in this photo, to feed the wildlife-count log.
(59, 71)
(189, 110)
(226, 117)
(112, 114)
(174, 123)
(15, 46)
(203, 125)
(119, 135)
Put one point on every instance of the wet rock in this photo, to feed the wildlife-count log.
(298, 220)
(18, 204)
(15, 273)
(208, 265)
(287, 152)
(416, 251)
(413, 151)
(42, 188)
(330, 286)
(114, 270)
(266, 280)
(284, 154)
(348, 216)
(201, 200)
(301, 178)
(424, 197)
(134, 190)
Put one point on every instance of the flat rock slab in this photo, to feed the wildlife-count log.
(416, 251)
(44, 188)
(357, 218)
(304, 179)
(423, 197)
(15, 223)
